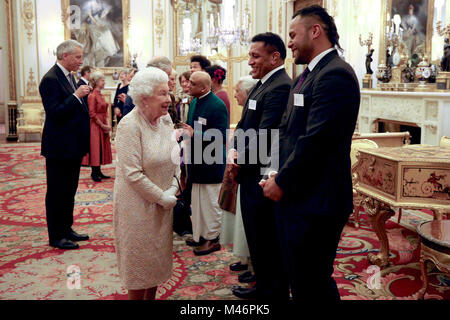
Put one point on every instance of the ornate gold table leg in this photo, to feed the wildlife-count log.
(423, 270)
(378, 213)
(437, 214)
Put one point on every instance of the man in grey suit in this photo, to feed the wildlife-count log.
(262, 112)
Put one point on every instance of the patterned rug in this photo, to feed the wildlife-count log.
(31, 270)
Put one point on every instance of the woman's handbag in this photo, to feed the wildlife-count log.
(228, 192)
(181, 215)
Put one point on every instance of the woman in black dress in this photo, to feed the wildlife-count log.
(121, 94)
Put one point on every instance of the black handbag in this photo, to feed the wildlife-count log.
(181, 215)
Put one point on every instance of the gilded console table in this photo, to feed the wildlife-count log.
(409, 177)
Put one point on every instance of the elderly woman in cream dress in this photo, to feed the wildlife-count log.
(232, 225)
(145, 187)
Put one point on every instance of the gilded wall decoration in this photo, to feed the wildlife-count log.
(28, 19)
(280, 18)
(31, 85)
(270, 16)
(159, 22)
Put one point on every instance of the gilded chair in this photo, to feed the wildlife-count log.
(358, 144)
(30, 121)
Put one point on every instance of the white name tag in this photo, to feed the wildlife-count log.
(252, 104)
(202, 121)
(299, 100)
(185, 100)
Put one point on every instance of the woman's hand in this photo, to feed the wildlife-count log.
(187, 129)
(106, 128)
(117, 112)
(122, 97)
(167, 200)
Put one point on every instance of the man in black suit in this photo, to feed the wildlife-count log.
(262, 112)
(313, 186)
(84, 80)
(65, 140)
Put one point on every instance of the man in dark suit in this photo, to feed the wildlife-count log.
(84, 80)
(207, 121)
(262, 112)
(65, 140)
(313, 186)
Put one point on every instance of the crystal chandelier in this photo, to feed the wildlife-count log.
(228, 33)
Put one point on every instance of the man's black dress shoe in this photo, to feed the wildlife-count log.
(245, 293)
(238, 266)
(77, 237)
(64, 244)
(247, 277)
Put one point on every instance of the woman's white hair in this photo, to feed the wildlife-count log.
(67, 46)
(246, 83)
(144, 82)
(95, 77)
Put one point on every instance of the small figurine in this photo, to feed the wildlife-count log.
(368, 61)
(389, 60)
(445, 62)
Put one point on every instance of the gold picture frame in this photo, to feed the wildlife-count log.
(69, 16)
(387, 8)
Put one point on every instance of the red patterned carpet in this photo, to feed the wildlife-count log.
(31, 270)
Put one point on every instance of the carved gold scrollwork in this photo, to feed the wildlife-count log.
(31, 85)
(159, 22)
(270, 15)
(28, 18)
(280, 18)
(372, 161)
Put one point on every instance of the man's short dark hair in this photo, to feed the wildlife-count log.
(84, 70)
(272, 43)
(204, 62)
(328, 23)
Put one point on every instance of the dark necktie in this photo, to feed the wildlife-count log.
(71, 82)
(302, 79)
(258, 84)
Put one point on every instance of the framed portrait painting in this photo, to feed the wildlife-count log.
(102, 27)
(416, 25)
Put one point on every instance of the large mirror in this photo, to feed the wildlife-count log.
(201, 27)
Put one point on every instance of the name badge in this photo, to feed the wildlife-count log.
(299, 100)
(202, 121)
(252, 104)
(185, 100)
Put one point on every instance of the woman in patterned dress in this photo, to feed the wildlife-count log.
(145, 187)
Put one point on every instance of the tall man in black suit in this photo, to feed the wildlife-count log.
(65, 141)
(313, 186)
(263, 109)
